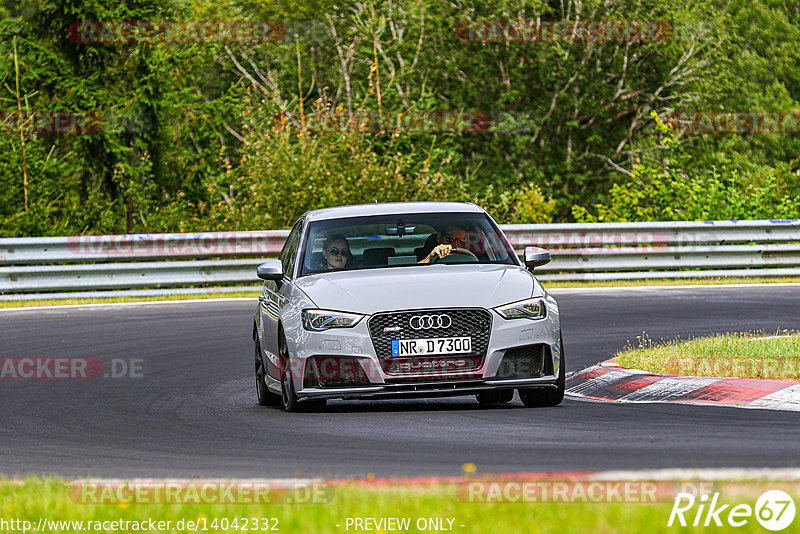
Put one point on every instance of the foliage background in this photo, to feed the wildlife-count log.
(192, 136)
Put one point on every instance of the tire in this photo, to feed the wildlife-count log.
(489, 398)
(291, 403)
(540, 397)
(264, 395)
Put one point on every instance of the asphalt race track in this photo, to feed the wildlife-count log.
(193, 410)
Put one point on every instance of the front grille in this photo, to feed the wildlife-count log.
(474, 323)
(333, 372)
(523, 362)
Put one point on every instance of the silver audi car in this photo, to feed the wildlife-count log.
(395, 300)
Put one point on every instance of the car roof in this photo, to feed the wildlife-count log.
(392, 208)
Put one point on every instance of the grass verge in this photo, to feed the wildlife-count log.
(55, 500)
(739, 354)
(549, 285)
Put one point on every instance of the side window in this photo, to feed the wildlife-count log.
(289, 252)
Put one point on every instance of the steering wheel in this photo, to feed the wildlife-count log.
(455, 250)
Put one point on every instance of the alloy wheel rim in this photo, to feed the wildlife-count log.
(283, 352)
(285, 388)
(260, 384)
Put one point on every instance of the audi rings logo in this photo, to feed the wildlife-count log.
(424, 322)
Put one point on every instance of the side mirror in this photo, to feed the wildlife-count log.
(270, 270)
(536, 257)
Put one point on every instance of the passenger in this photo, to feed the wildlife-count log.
(335, 254)
(445, 241)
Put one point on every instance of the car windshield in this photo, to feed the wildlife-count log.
(401, 240)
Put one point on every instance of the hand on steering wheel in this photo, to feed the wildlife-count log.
(442, 251)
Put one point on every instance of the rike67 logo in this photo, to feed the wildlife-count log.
(774, 510)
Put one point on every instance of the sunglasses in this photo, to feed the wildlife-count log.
(339, 251)
(453, 240)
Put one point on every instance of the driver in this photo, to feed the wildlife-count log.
(447, 240)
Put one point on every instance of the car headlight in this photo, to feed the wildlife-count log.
(524, 309)
(319, 320)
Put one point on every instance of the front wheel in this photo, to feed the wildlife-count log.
(265, 396)
(539, 397)
(291, 403)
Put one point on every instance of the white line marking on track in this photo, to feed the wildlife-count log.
(556, 290)
(282, 482)
(701, 473)
(146, 303)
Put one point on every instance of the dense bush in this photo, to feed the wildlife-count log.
(188, 137)
(666, 192)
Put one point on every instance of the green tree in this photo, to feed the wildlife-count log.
(665, 192)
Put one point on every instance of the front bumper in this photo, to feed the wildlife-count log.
(355, 346)
(426, 389)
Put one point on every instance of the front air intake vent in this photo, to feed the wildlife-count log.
(523, 362)
(334, 372)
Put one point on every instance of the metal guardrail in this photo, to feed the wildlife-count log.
(601, 251)
(137, 247)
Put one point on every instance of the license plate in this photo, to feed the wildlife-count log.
(437, 345)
